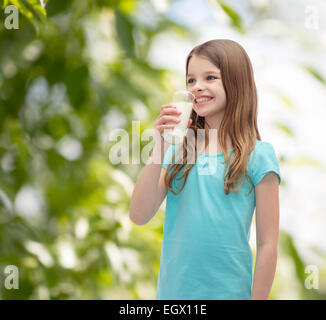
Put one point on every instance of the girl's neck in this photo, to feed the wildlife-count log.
(213, 122)
(214, 147)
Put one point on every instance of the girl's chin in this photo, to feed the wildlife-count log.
(201, 111)
(208, 106)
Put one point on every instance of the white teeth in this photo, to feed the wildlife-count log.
(203, 99)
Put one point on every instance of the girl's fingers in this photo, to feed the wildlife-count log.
(166, 105)
(165, 119)
(170, 111)
(162, 127)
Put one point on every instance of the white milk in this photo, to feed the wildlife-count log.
(176, 135)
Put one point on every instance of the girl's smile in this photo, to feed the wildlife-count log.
(203, 102)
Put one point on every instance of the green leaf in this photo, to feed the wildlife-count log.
(127, 6)
(284, 128)
(299, 264)
(5, 3)
(124, 30)
(315, 74)
(23, 9)
(36, 6)
(307, 161)
(285, 99)
(236, 20)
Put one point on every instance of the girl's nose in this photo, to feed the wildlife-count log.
(198, 86)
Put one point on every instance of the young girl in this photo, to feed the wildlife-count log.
(210, 202)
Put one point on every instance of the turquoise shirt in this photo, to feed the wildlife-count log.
(205, 250)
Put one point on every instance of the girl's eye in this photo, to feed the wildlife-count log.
(207, 78)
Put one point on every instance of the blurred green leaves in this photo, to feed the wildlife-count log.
(62, 200)
(124, 30)
(315, 74)
(33, 10)
(235, 19)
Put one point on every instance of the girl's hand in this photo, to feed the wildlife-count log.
(169, 113)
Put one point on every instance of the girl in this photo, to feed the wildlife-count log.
(210, 202)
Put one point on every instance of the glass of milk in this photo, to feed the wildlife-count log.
(183, 100)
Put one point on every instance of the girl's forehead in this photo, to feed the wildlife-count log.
(201, 65)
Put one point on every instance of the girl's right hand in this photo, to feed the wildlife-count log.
(169, 113)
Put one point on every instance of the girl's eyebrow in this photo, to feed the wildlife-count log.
(217, 72)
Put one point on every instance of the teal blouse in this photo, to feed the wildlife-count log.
(205, 249)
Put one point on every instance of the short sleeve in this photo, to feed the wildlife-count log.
(264, 161)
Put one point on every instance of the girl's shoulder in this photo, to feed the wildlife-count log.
(261, 148)
(262, 144)
(262, 160)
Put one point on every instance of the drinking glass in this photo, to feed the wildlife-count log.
(183, 100)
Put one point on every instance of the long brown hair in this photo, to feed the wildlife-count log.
(240, 117)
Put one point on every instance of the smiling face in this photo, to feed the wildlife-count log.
(204, 79)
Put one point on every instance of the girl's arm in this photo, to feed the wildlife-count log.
(267, 226)
(150, 189)
(144, 202)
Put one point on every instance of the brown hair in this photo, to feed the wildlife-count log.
(240, 117)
